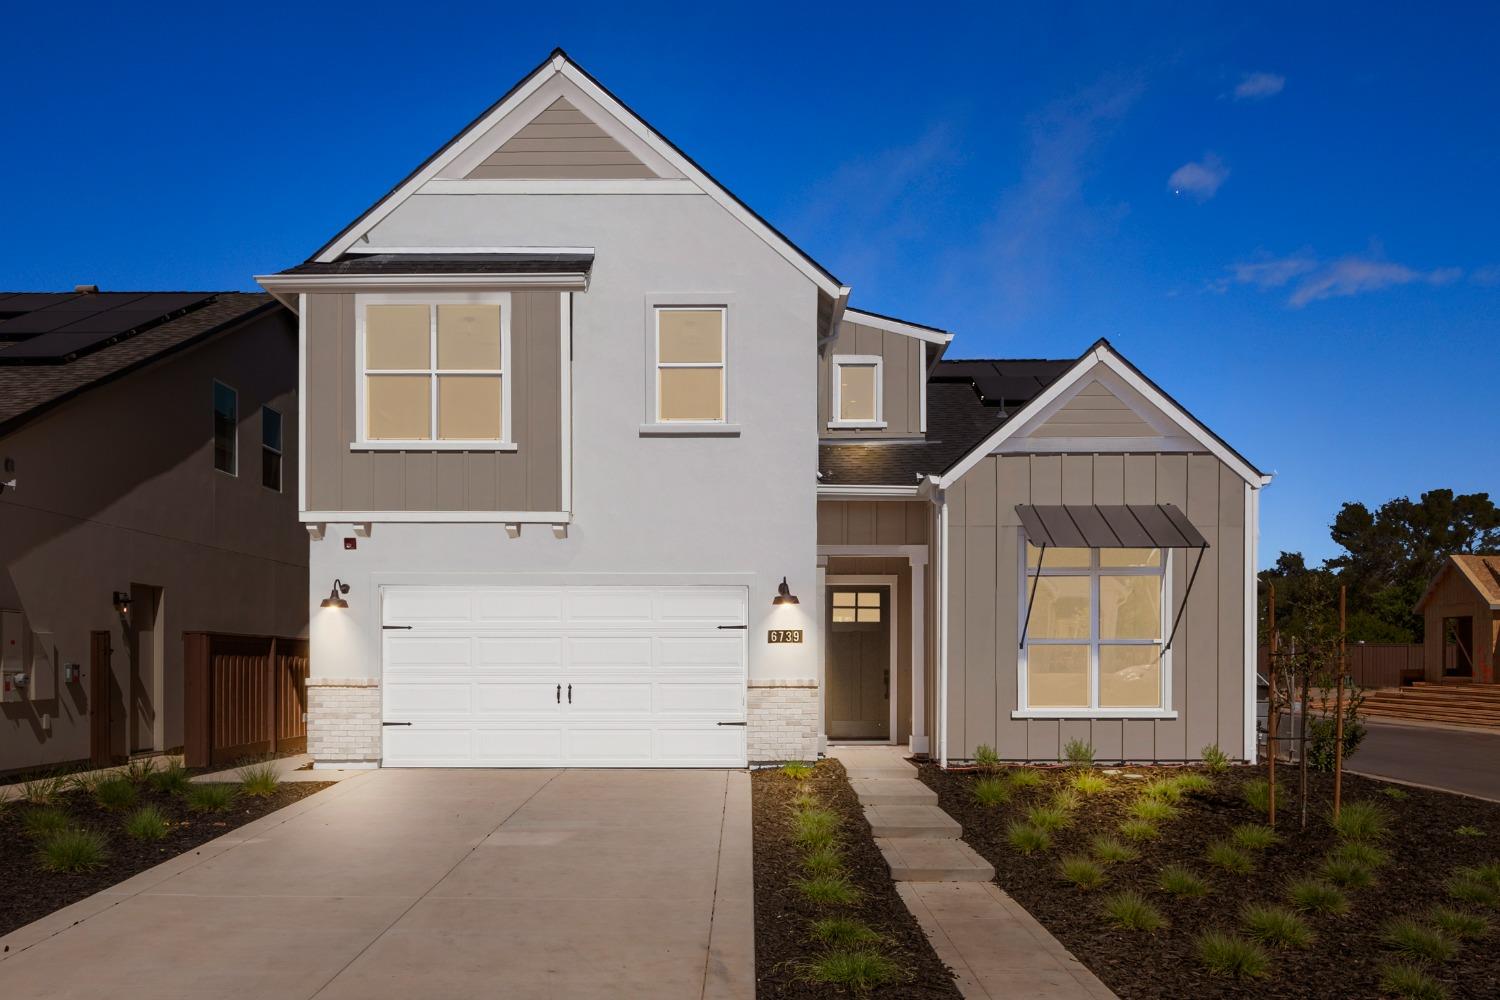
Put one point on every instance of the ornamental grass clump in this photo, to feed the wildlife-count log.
(1360, 853)
(797, 770)
(72, 851)
(1223, 854)
(1079, 753)
(1162, 789)
(842, 932)
(1253, 836)
(1089, 783)
(985, 758)
(1132, 911)
(259, 780)
(823, 860)
(211, 798)
(1416, 940)
(992, 791)
(858, 970)
(1460, 925)
(1180, 881)
(1082, 871)
(170, 780)
(1216, 760)
(1410, 982)
(1463, 887)
(1362, 821)
(814, 827)
(1313, 895)
(1152, 810)
(1276, 926)
(1026, 838)
(1226, 954)
(43, 791)
(1347, 874)
(1024, 778)
(1066, 799)
(1111, 850)
(1193, 783)
(41, 823)
(1258, 794)
(116, 793)
(828, 890)
(1139, 829)
(1049, 818)
(146, 824)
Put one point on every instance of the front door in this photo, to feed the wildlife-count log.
(858, 705)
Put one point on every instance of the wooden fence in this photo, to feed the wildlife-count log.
(244, 696)
(1381, 664)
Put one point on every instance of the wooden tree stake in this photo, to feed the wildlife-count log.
(1338, 724)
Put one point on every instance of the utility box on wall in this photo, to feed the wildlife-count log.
(27, 671)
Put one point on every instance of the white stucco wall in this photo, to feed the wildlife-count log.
(660, 510)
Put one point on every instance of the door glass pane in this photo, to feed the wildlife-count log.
(1057, 676)
(1057, 558)
(843, 614)
(868, 615)
(1130, 676)
(1061, 609)
(468, 336)
(691, 336)
(857, 392)
(869, 599)
(1130, 557)
(692, 394)
(469, 407)
(398, 407)
(1130, 607)
(843, 599)
(397, 337)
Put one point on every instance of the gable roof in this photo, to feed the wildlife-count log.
(558, 63)
(28, 390)
(1481, 571)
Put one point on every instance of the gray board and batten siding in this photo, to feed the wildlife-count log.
(903, 370)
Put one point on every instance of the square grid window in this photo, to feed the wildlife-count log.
(1094, 638)
(226, 429)
(690, 364)
(434, 371)
(270, 448)
(856, 607)
(857, 391)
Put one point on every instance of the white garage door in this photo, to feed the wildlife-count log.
(564, 676)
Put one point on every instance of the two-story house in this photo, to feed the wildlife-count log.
(600, 469)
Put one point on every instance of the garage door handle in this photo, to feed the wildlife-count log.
(395, 723)
(731, 723)
(734, 626)
(559, 694)
(389, 627)
(570, 694)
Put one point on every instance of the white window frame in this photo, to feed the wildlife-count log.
(432, 300)
(722, 365)
(278, 452)
(858, 361)
(1093, 572)
(235, 451)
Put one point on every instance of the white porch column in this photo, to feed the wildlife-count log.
(918, 657)
(820, 589)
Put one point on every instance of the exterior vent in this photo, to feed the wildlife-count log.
(86, 289)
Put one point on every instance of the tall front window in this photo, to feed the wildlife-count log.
(226, 429)
(690, 364)
(1094, 632)
(434, 371)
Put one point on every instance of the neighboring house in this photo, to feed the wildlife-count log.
(601, 469)
(1462, 601)
(149, 447)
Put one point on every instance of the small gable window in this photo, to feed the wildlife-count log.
(690, 370)
(857, 396)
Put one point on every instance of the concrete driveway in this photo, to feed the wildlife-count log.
(402, 883)
(1456, 760)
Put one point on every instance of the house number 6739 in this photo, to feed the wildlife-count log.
(784, 635)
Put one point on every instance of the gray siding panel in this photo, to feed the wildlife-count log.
(903, 372)
(873, 522)
(561, 142)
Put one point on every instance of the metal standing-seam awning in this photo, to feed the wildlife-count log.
(1118, 526)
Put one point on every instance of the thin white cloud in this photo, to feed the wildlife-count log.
(1313, 280)
(1272, 273)
(1199, 180)
(1259, 86)
(1487, 276)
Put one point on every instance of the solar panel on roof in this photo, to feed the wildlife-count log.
(78, 327)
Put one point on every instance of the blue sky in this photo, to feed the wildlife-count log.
(1288, 219)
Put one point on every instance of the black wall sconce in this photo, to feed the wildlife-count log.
(334, 598)
(122, 603)
(784, 594)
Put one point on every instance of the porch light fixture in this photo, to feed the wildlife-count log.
(334, 598)
(784, 594)
(122, 602)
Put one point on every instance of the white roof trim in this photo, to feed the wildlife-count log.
(560, 66)
(896, 326)
(870, 492)
(1104, 355)
(366, 248)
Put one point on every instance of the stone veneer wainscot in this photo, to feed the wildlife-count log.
(783, 720)
(343, 720)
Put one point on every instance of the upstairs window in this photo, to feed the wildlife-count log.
(690, 364)
(433, 372)
(226, 429)
(857, 395)
(270, 448)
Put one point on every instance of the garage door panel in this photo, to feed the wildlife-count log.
(496, 746)
(518, 652)
(593, 698)
(407, 701)
(421, 744)
(601, 743)
(607, 605)
(427, 605)
(426, 654)
(696, 607)
(516, 605)
(516, 698)
(609, 652)
(724, 700)
(723, 745)
(700, 652)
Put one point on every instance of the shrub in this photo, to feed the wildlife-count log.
(1049, 818)
(1366, 855)
(1253, 836)
(1191, 782)
(841, 932)
(834, 890)
(1152, 810)
(1417, 940)
(1162, 789)
(42, 791)
(259, 780)
(45, 821)
(1323, 737)
(859, 970)
(1469, 831)
(1458, 924)
(1258, 794)
(1392, 792)
(170, 780)
(1082, 871)
(1363, 821)
(71, 851)
(1180, 881)
(985, 757)
(1079, 753)
(991, 791)
(1227, 954)
(1276, 926)
(146, 823)
(1139, 829)
(814, 827)
(210, 798)
(796, 770)
(1024, 777)
(1464, 888)
(116, 793)
(1347, 874)
(1223, 854)
(1313, 895)
(1111, 849)
(1089, 783)
(1027, 838)
(1132, 911)
(1214, 759)
(1410, 982)
(823, 860)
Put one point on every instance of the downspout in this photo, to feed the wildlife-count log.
(942, 720)
(1252, 620)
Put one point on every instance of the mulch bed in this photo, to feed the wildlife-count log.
(27, 892)
(1343, 962)
(783, 917)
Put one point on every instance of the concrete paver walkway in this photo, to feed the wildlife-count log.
(994, 947)
(406, 883)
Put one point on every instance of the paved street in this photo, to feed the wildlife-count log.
(1453, 759)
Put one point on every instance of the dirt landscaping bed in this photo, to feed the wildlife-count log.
(787, 941)
(29, 890)
(1433, 847)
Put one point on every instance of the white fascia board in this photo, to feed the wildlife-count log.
(1102, 355)
(284, 285)
(871, 492)
(557, 185)
(437, 516)
(366, 248)
(898, 327)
